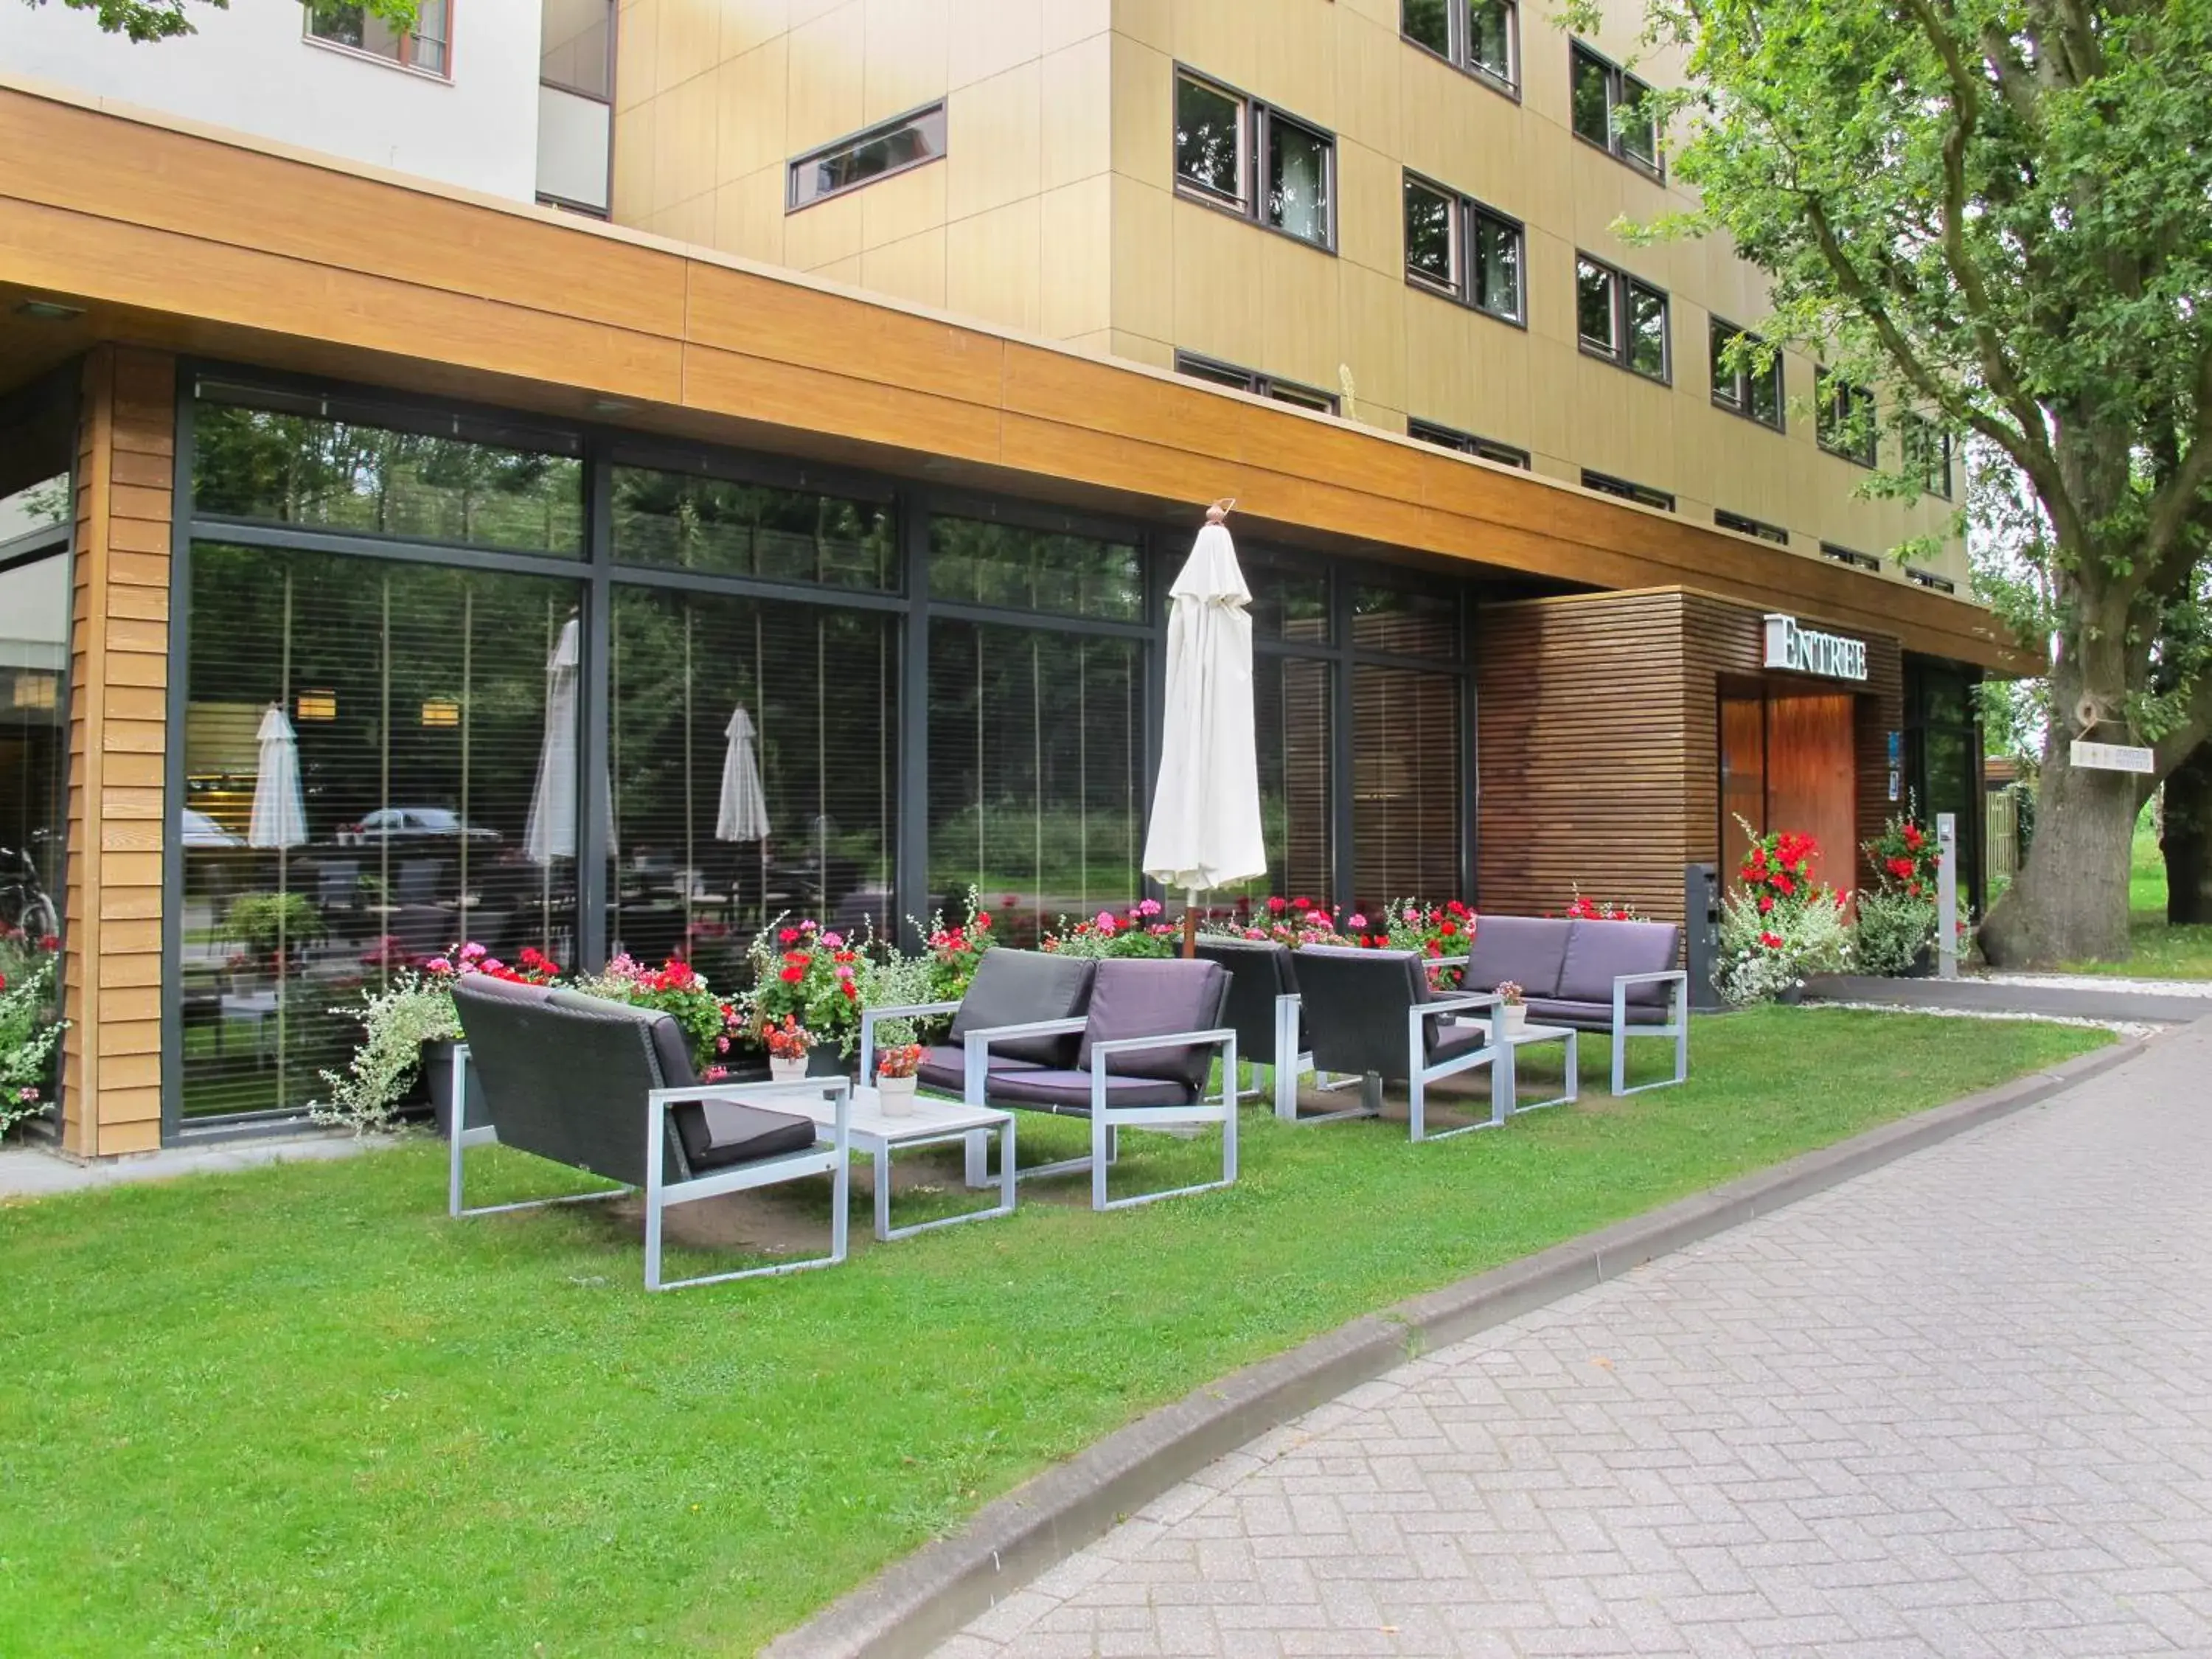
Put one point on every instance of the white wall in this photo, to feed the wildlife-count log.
(251, 68)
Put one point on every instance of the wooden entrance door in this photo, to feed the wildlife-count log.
(1811, 778)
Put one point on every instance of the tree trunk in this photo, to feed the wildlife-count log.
(2070, 900)
(2186, 839)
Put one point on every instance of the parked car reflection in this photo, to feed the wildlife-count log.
(412, 824)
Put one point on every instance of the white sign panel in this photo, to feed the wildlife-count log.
(2113, 757)
(1808, 651)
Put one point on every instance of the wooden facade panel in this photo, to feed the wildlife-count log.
(129, 903)
(128, 569)
(135, 502)
(138, 702)
(131, 633)
(130, 1036)
(147, 668)
(130, 803)
(121, 1140)
(135, 535)
(144, 470)
(121, 970)
(141, 836)
(129, 1002)
(132, 737)
(125, 937)
(846, 403)
(138, 603)
(119, 1106)
(129, 1071)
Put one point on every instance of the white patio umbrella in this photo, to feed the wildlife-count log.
(550, 833)
(743, 812)
(280, 818)
(1206, 828)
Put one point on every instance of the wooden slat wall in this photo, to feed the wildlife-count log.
(1589, 760)
(119, 679)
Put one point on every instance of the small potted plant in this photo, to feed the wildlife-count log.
(1512, 1008)
(787, 1043)
(895, 1067)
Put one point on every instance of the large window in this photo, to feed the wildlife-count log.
(1236, 153)
(1746, 374)
(908, 141)
(1927, 453)
(35, 603)
(1458, 247)
(1844, 418)
(686, 522)
(1406, 778)
(426, 47)
(335, 464)
(1481, 36)
(1621, 318)
(975, 562)
(1251, 381)
(380, 759)
(1611, 110)
(755, 769)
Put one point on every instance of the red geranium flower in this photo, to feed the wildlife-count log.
(1771, 941)
(1765, 903)
(792, 975)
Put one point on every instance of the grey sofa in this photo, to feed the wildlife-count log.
(1374, 1015)
(1143, 1047)
(1617, 977)
(610, 1089)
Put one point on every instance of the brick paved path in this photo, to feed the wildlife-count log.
(1960, 1408)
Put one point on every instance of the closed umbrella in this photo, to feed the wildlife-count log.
(551, 830)
(743, 812)
(1204, 829)
(280, 819)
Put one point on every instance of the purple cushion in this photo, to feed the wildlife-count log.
(945, 1066)
(1598, 950)
(1021, 987)
(1069, 1093)
(1136, 997)
(1527, 950)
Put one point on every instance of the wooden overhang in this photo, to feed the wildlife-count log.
(175, 236)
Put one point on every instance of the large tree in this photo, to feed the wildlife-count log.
(2002, 210)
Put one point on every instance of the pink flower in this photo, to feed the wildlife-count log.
(439, 965)
(715, 1074)
(1355, 921)
(835, 941)
(1149, 908)
(844, 970)
(471, 951)
(1105, 922)
(721, 1045)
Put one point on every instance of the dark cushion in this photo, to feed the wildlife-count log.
(1599, 951)
(1259, 972)
(718, 1134)
(1019, 987)
(1354, 1005)
(947, 1067)
(1592, 1016)
(1527, 950)
(1137, 998)
(1068, 1093)
(1451, 1040)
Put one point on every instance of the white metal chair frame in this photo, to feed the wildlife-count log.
(1499, 1056)
(1677, 1027)
(661, 1195)
(1108, 1121)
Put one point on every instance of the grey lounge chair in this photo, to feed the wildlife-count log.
(1372, 1013)
(1263, 1006)
(607, 1088)
(1146, 1044)
(1617, 977)
(1010, 987)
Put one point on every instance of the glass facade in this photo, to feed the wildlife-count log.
(34, 635)
(424, 701)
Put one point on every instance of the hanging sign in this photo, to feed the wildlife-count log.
(2112, 757)
(1808, 651)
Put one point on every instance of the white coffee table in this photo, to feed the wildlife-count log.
(1505, 1082)
(878, 1132)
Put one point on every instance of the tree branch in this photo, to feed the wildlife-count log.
(2175, 501)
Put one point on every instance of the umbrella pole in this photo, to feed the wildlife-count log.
(1190, 923)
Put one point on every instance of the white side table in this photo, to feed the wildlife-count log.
(932, 1122)
(1505, 1082)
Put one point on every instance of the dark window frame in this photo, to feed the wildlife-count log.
(1618, 82)
(1257, 120)
(1468, 215)
(1626, 285)
(1460, 49)
(1850, 555)
(1929, 579)
(1844, 416)
(1627, 490)
(929, 119)
(1238, 378)
(1737, 399)
(1933, 443)
(1468, 443)
(1744, 525)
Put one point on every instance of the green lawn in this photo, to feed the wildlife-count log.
(2159, 951)
(298, 1411)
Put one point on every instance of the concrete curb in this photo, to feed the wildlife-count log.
(916, 1603)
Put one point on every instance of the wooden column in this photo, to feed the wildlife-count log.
(118, 720)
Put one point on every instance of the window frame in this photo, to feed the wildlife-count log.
(1617, 82)
(404, 60)
(1742, 523)
(1836, 404)
(1235, 377)
(1627, 490)
(922, 116)
(1459, 52)
(1851, 555)
(1929, 579)
(1468, 443)
(1257, 120)
(1737, 399)
(1915, 430)
(1469, 213)
(1625, 287)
